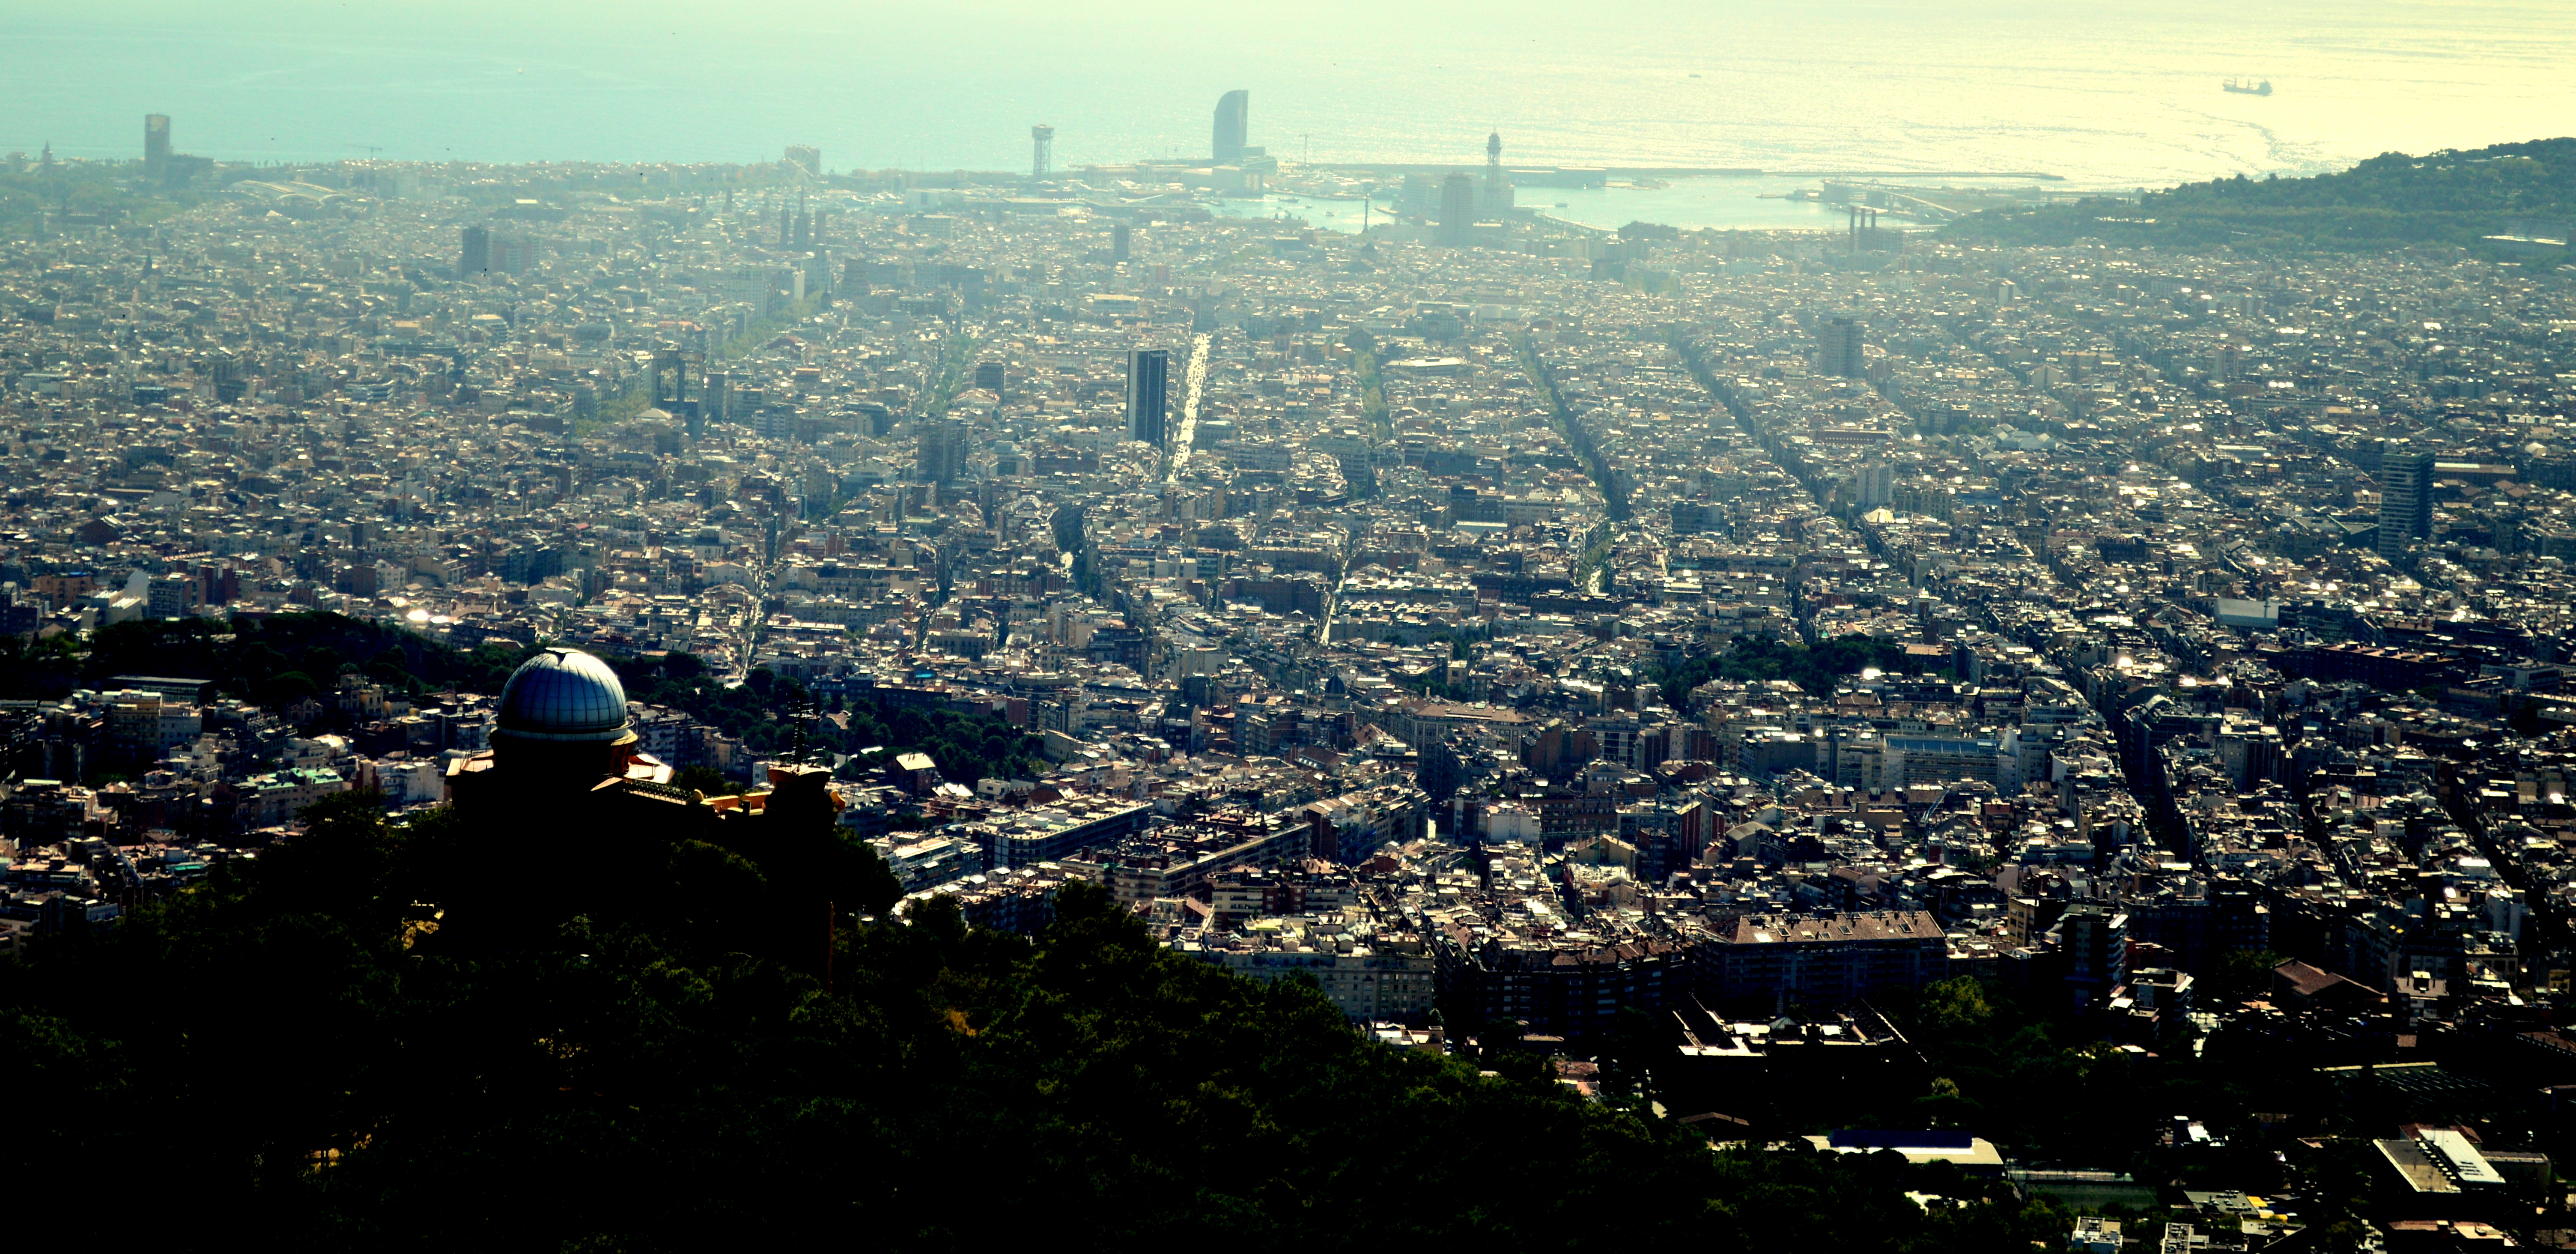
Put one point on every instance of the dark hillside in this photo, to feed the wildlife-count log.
(2389, 201)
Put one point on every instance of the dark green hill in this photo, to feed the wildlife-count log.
(635, 1059)
(81, 192)
(2389, 201)
(277, 661)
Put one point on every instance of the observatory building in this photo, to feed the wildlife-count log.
(562, 731)
(562, 740)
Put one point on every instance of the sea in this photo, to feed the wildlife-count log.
(2098, 94)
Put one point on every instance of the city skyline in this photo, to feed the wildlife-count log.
(2102, 116)
(1833, 628)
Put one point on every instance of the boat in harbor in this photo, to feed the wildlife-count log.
(2241, 87)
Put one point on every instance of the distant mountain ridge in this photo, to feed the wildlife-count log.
(2389, 201)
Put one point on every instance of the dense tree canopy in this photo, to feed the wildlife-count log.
(276, 661)
(250, 658)
(1755, 659)
(377, 1036)
(79, 187)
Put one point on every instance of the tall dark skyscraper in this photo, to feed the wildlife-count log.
(156, 148)
(2405, 496)
(1122, 241)
(942, 450)
(1233, 126)
(1838, 352)
(1457, 211)
(1148, 377)
(475, 254)
(1041, 150)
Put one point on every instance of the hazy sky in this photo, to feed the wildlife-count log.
(2101, 92)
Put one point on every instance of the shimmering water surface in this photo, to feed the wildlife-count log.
(2103, 95)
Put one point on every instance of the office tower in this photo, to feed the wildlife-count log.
(156, 148)
(1419, 197)
(807, 157)
(1122, 241)
(940, 455)
(511, 254)
(2405, 496)
(989, 377)
(1457, 211)
(1233, 119)
(1876, 486)
(2095, 941)
(1041, 150)
(1148, 370)
(475, 257)
(717, 401)
(1838, 349)
(1494, 196)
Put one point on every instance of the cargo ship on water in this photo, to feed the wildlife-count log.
(2242, 88)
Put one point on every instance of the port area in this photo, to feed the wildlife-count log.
(1330, 198)
(1597, 176)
